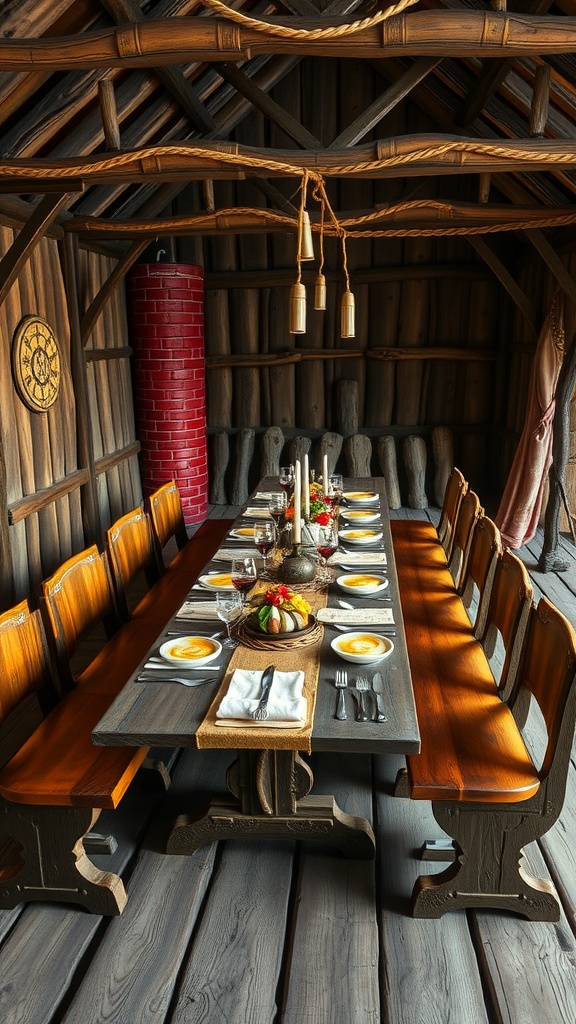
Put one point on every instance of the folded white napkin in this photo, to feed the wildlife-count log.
(357, 616)
(257, 513)
(197, 610)
(226, 554)
(286, 705)
(358, 558)
(265, 495)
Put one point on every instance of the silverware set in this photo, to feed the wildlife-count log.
(367, 696)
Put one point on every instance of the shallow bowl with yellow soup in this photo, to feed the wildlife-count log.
(360, 583)
(362, 647)
(190, 651)
(360, 535)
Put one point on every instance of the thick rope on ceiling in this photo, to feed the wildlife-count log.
(329, 32)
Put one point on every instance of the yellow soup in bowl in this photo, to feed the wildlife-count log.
(362, 643)
(190, 650)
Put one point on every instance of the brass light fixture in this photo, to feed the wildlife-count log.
(298, 290)
(347, 310)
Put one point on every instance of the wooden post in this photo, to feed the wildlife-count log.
(90, 510)
(272, 445)
(244, 452)
(330, 445)
(358, 452)
(107, 101)
(5, 553)
(386, 449)
(443, 455)
(299, 447)
(484, 188)
(220, 459)
(540, 101)
(414, 450)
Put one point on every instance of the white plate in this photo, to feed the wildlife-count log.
(243, 533)
(358, 516)
(217, 581)
(360, 536)
(361, 497)
(190, 651)
(373, 582)
(362, 647)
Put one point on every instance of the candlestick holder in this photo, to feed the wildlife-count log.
(296, 567)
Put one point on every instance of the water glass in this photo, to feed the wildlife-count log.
(228, 609)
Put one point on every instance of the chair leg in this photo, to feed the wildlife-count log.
(49, 861)
(488, 872)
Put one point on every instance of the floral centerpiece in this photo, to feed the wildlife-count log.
(277, 609)
(323, 508)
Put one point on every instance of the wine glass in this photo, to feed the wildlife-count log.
(264, 538)
(228, 609)
(336, 482)
(243, 575)
(327, 541)
(286, 478)
(278, 505)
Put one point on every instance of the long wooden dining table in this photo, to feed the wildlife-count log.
(271, 788)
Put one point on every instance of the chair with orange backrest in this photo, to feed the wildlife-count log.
(468, 515)
(476, 581)
(165, 509)
(76, 599)
(506, 620)
(53, 780)
(491, 832)
(130, 549)
(455, 491)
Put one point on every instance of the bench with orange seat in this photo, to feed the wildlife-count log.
(55, 784)
(486, 791)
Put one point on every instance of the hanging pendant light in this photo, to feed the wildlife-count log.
(347, 310)
(320, 283)
(307, 250)
(298, 308)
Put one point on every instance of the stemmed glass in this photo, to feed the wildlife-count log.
(327, 541)
(278, 504)
(243, 575)
(286, 478)
(228, 609)
(264, 538)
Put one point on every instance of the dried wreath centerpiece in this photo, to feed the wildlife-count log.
(277, 609)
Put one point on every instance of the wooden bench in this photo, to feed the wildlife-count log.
(56, 783)
(487, 792)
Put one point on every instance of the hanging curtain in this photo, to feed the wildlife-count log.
(519, 510)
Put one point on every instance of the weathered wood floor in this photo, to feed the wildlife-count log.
(289, 933)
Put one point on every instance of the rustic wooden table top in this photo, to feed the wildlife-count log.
(168, 714)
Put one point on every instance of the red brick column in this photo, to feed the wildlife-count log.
(166, 319)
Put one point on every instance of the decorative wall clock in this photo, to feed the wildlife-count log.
(36, 364)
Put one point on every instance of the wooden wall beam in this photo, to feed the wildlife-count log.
(95, 308)
(224, 280)
(540, 101)
(6, 590)
(32, 503)
(27, 239)
(395, 355)
(558, 270)
(107, 462)
(169, 41)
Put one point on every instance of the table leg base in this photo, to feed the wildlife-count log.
(317, 818)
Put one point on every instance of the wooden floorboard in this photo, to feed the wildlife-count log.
(292, 933)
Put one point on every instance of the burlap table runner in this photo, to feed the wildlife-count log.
(289, 659)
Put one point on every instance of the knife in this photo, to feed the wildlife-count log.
(378, 689)
(260, 714)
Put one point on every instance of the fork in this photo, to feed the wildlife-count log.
(362, 686)
(341, 682)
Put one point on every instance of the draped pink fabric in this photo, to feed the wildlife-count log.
(521, 502)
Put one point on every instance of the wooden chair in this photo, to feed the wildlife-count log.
(476, 581)
(53, 780)
(75, 599)
(165, 510)
(455, 491)
(468, 515)
(490, 834)
(506, 620)
(130, 550)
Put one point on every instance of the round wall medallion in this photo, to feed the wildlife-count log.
(36, 363)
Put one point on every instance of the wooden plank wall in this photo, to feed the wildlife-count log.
(39, 449)
(462, 310)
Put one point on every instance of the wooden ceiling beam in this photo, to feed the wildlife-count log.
(558, 270)
(128, 12)
(518, 296)
(400, 156)
(27, 239)
(267, 106)
(169, 41)
(384, 103)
